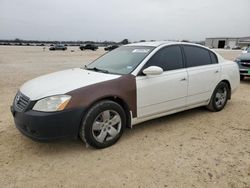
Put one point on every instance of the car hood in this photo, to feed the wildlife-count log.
(245, 56)
(63, 82)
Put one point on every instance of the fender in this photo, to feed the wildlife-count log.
(123, 87)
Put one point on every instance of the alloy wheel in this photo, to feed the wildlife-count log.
(221, 96)
(106, 126)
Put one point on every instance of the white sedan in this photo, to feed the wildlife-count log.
(129, 85)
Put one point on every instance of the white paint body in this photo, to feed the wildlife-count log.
(62, 82)
(154, 100)
(157, 94)
(182, 89)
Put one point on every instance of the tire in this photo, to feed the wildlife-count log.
(103, 124)
(241, 77)
(219, 98)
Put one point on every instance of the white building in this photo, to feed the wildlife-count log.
(227, 42)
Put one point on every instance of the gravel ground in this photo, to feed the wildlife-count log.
(195, 148)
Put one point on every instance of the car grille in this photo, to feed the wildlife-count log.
(21, 101)
(246, 64)
(246, 60)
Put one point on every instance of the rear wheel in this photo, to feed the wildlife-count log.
(241, 77)
(219, 97)
(103, 124)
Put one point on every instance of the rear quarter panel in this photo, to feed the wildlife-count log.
(230, 72)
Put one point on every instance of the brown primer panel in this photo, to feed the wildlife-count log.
(123, 87)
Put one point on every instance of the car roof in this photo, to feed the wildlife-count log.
(159, 43)
(153, 43)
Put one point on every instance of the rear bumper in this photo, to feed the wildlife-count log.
(45, 126)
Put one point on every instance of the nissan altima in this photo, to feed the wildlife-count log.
(129, 85)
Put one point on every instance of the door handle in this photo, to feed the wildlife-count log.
(183, 79)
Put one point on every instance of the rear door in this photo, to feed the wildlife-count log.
(168, 91)
(203, 73)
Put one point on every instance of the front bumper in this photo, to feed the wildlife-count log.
(244, 68)
(44, 126)
(245, 72)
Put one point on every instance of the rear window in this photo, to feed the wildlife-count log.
(196, 56)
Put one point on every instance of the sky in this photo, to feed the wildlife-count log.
(114, 20)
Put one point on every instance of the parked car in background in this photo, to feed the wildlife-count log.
(236, 48)
(246, 50)
(58, 47)
(89, 47)
(129, 85)
(244, 65)
(111, 47)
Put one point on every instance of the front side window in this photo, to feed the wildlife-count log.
(168, 58)
(122, 60)
(196, 56)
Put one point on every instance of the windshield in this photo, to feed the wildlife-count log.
(122, 60)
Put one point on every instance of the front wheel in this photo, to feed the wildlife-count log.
(241, 77)
(103, 124)
(219, 97)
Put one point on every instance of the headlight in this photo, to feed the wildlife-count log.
(53, 103)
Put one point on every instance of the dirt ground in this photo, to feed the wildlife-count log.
(196, 148)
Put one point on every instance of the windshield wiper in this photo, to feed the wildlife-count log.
(96, 69)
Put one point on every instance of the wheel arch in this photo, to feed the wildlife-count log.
(229, 86)
(119, 101)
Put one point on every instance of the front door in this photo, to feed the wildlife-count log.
(158, 94)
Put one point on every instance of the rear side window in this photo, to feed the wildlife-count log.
(168, 58)
(196, 56)
(214, 58)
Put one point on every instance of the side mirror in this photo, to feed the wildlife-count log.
(153, 70)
